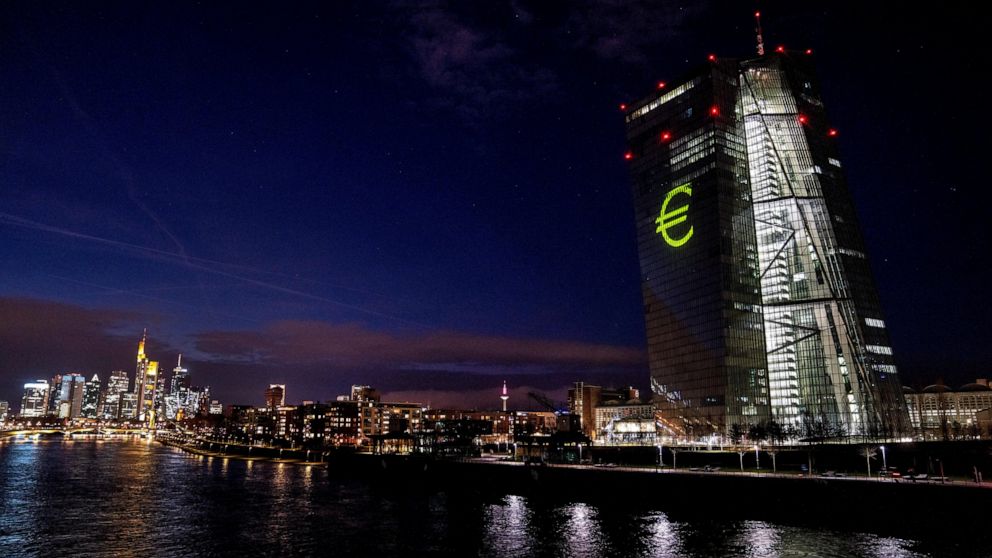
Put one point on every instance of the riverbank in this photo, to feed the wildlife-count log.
(244, 452)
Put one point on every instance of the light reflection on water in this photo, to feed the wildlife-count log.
(134, 499)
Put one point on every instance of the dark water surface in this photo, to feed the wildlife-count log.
(132, 498)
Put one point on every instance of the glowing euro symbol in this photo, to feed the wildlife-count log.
(668, 219)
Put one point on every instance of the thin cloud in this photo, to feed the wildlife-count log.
(627, 30)
(221, 269)
(353, 345)
(473, 66)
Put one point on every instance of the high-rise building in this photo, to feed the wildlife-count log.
(52, 404)
(160, 393)
(66, 399)
(34, 403)
(146, 380)
(4, 410)
(117, 385)
(759, 302)
(275, 395)
(91, 398)
(129, 405)
(180, 377)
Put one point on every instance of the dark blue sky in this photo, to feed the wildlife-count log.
(424, 196)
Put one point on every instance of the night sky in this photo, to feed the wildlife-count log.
(426, 197)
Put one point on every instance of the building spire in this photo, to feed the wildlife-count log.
(761, 44)
(504, 396)
(141, 345)
(179, 364)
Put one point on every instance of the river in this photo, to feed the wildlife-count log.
(135, 498)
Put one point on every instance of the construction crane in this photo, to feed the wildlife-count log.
(543, 401)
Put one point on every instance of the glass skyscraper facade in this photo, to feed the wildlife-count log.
(758, 298)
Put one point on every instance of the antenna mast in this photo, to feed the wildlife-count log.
(761, 44)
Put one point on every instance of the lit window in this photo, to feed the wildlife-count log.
(879, 349)
(874, 322)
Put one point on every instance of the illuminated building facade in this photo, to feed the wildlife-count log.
(146, 378)
(939, 412)
(625, 424)
(91, 398)
(34, 402)
(583, 399)
(129, 406)
(275, 395)
(759, 301)
(117, 385)
(66, 400)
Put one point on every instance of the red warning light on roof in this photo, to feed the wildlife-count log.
(803, 119)
(780, 48)
(809, 51)
(628, 155)
(757, 14)
(623, 106)
(714, 111)
(661, 85)
(665, 136)
(832, 132)
(711, 58)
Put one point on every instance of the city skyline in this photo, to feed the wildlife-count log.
(275, 208)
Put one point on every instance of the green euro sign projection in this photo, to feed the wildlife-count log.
(672, 217)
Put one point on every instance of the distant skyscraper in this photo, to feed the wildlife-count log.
(91, 398)
(179, 392)
(117, 385)
(129, 405)
(76, 395)
(180, 377)
(52, 405)
(504, 397)
(160, 393)
(67, 395)
(4, 410)
(275, 395)
(146, 378)
(759, 302)
(34, 403)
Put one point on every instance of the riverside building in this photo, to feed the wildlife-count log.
(759, 301)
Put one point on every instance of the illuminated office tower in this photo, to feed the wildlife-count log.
(699, 263)
(275, 395)
(160, 393)
(146, 378)
(129, 406)
(177, 402)
(52, 401)
(34, 403)
(116, 386)
(66, 400)
(759, 303)
(830, 363)
(91, 398)
(180, 377)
